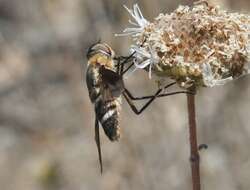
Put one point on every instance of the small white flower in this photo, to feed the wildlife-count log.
(140, 22)
(145, 58)
(208, 77)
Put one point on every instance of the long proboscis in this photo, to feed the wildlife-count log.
(98, 144)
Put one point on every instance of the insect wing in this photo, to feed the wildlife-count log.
(113, 82)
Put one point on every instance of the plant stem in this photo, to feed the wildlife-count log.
(194, 153)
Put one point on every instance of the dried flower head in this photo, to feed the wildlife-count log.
(201, 45)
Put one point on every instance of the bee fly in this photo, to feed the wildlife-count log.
(105, 88)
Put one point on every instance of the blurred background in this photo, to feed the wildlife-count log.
(47, 121)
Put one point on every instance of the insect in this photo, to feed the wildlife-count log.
(105, 88)
(105, 85)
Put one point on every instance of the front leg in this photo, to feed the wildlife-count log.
(121, 61)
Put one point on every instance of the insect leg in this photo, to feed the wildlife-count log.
(122, 73)
(177, 92)
(120, 64)
(97, 140)
(127, 59)
(118, 69)
(160, 95)
(133, 107)
(129, 98)
(146, 97)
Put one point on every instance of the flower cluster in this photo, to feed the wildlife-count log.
(201, 45)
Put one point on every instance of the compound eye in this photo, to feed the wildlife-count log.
(111, 52)
(100, 48)
(108, 50)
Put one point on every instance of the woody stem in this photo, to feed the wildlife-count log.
(194, 154)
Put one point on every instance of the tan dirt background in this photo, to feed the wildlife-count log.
(47, 120)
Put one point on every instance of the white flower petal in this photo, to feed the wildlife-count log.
(209, 79)
(207, 75)
(134, 30)
(143, 64)
(133, 23)
(139, 17)
(222, 81)
(141, 51)
(140, 21)
(150, 71)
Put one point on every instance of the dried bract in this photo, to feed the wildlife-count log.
(201, 45)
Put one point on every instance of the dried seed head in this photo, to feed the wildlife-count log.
(201, 45)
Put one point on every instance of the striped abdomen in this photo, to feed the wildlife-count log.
(108, 115)
(106, 106)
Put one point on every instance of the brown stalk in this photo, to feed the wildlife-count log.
(194, 153)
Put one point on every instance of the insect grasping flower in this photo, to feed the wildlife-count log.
(140, 22)
(145, 58)
(200, 45)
